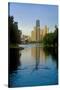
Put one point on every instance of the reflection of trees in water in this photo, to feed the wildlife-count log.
(40, 54)
(14, 61)
(53, 51)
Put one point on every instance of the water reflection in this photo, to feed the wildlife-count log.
(14, 61)
(25, 65)
(53, 51)
(40, 55)
(35, 52)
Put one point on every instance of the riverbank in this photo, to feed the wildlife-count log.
(41, 44)
(15, 46)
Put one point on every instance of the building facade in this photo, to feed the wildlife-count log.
(38, 34)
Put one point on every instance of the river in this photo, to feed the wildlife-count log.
(33, 66)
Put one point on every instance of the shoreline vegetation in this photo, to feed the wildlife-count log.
(15, 46)
(49, 40)
(49, 44)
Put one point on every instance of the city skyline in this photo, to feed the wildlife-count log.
(27, 14)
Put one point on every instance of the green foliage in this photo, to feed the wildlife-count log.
(51, 39)
(14, 33)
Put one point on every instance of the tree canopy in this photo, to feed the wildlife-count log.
(14, 33)
(51, 38)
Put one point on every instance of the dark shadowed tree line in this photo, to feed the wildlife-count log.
(14, 32)
(14, 49)
(51, 39)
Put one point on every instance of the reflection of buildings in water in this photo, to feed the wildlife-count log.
(39, 55)
(36, 54)
(42, 56)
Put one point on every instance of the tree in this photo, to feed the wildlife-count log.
(55, 41)
(51, 38)
(14, 33)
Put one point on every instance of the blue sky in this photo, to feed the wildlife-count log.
(27, 14)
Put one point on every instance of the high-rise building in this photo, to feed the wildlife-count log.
(37, 30)
(37, 34)
(37, 23)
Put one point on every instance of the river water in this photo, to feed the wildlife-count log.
(33, 66)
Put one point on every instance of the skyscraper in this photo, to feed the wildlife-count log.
(38, 34)
(37, 30)
(37, 23)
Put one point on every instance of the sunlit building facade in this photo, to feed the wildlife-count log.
(37, 34)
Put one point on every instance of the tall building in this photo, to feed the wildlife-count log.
(37, 23)
(37, 30)
(37, 34)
